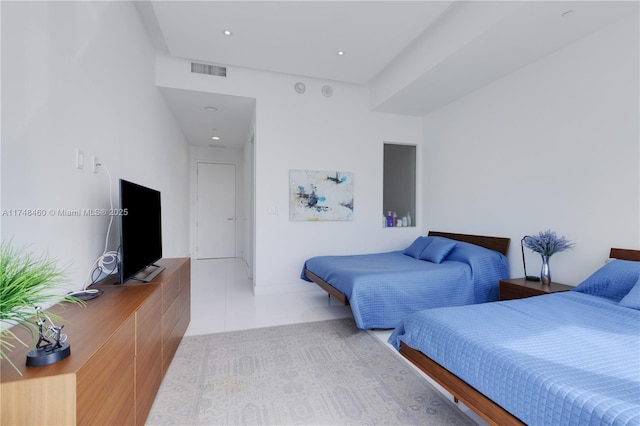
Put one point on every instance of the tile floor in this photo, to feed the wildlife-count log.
(222, 299)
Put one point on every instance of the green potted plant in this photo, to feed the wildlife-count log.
(26, 282)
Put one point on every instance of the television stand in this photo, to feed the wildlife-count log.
(87, 294)
(149, 273)
(123, 343)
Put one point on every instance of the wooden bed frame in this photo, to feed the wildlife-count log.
(499, 244)
(491, 412)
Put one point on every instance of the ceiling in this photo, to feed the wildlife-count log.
(296, 37)
(303, 38)
(231, 121)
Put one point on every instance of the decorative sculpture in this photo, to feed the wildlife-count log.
(47, 352)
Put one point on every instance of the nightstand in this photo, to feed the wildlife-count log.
(519, 288)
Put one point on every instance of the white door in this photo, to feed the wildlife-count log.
(215, 210)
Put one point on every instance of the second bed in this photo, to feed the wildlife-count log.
(442, 269)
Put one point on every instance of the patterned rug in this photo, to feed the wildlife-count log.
(320, 373)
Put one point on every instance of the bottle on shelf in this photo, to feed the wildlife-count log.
(408, 218)
(389, 220)
(395, 219)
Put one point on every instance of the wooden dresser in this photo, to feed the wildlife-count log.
(121, 346)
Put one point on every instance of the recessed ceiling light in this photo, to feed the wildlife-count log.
(215, 138)
(228, 33)
(340, 52)
(211, 108)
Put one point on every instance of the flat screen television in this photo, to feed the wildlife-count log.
(140, 232)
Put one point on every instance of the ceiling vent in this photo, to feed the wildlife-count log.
(208, 69)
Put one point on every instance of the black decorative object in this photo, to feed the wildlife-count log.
(524, 264)
(47, 352)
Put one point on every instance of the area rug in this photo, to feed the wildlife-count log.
(320, 373)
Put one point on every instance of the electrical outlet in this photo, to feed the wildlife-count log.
(94, 164)
(79, 159)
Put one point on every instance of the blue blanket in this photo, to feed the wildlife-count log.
(382, 288)
(561, 359)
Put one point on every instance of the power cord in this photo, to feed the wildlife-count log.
(107, 263)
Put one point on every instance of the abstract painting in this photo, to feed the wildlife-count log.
(320, 195)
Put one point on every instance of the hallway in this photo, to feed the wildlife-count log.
(222, 299)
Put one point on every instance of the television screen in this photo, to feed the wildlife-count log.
(140, 229)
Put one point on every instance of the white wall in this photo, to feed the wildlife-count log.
(308, 131)
(248, 224)
(81, 75)
(553, 145)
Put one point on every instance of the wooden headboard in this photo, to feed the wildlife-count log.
(499, 244)
(625, 254)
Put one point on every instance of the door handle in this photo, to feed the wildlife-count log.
(231, 218)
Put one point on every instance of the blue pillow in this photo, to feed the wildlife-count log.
(417, 246)
(632, 299)
(465, 252)
(437, 250)
(613, 281)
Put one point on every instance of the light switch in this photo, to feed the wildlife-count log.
(79, 159)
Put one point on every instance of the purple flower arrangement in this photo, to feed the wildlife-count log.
(547, 243)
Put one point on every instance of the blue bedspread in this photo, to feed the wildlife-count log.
(382, 288)
(560, 359)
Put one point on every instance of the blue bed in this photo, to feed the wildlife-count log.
(569, 358)
(434, 271)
